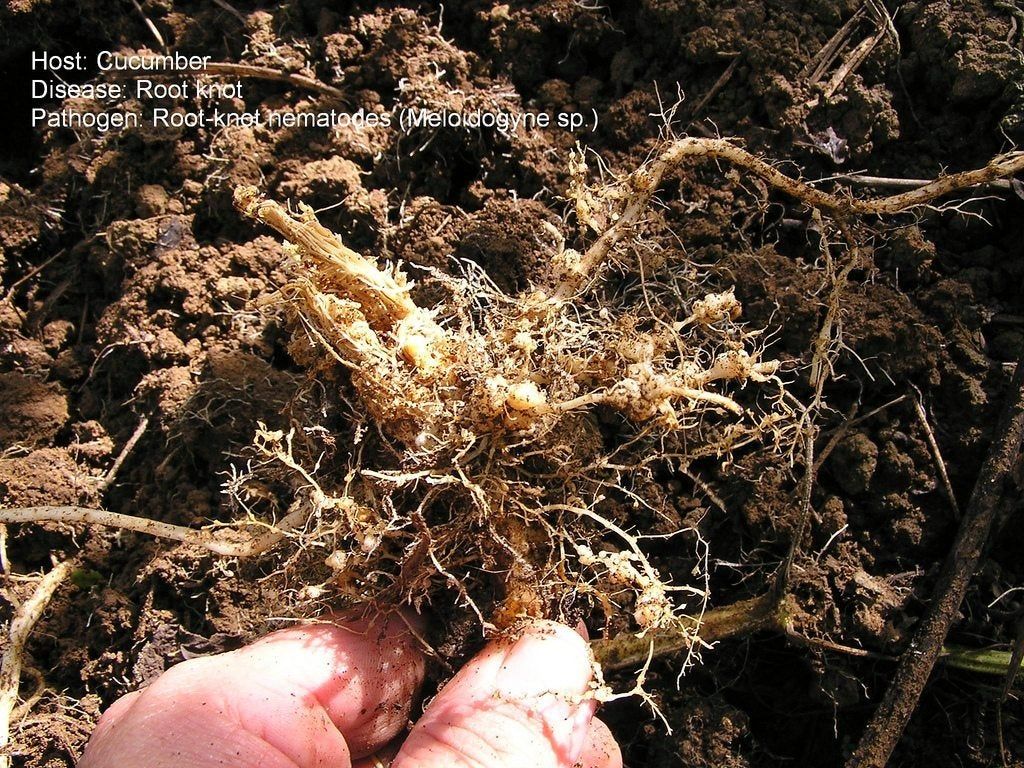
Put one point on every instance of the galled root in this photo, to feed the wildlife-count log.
(502, 481)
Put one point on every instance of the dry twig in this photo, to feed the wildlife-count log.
(933, 444)
(715, 89)
(900, 183)
(232, 69)
(129, 446)
(150, 26)
(781, 587)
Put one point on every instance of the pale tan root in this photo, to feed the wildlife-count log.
(26, 617)
(232, 69)
(641, 185)
(383, 297)
(217, 544)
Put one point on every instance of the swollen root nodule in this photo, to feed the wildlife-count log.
(444, 378)
(493, 400)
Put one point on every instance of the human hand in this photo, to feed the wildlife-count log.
(324, 695)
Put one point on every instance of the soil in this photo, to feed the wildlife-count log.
(128, 297)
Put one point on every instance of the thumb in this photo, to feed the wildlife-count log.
(522, 702)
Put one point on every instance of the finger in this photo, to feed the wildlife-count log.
(277, 703)
(582, 631)
(200, 714)
(115, 712)
(520, 702)
(601, 749)
(364, 674)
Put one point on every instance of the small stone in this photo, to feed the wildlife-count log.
(151, 200)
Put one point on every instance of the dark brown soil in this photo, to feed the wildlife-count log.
(128, 280)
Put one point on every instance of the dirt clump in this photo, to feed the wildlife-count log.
(33, 412)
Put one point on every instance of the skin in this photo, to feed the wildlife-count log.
(332, 696)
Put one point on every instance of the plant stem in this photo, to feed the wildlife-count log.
(743, 618)
(985, 661)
